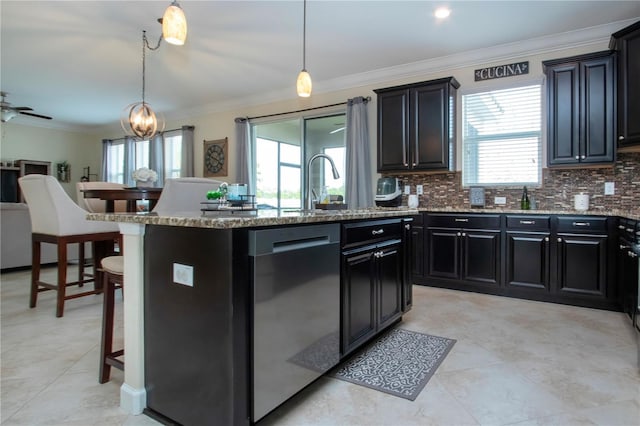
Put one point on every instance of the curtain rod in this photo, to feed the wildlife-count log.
(366, 99)
(164, 131)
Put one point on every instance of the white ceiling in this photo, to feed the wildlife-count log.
(80, 61)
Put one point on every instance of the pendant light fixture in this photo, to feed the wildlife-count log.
(174, 25)
(304, 79)
(140, 120)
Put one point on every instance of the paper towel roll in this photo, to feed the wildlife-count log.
(581, 201)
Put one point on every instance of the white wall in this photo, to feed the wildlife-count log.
(20, 142)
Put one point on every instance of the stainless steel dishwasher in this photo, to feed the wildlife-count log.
(296, 310)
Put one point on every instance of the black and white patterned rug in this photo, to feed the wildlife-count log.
(399, 363)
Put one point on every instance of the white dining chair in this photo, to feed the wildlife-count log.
(57, 219)
(183, 195)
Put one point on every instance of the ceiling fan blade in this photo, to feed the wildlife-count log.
(35, 115)
(23, 109)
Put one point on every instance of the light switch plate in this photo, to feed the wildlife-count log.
(183, 274)
(419, 189)
(407, 189)
(500, 201)
(609, 188)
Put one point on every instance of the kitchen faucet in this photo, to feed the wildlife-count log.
(336, 175)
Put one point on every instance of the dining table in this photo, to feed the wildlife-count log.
(130, 195)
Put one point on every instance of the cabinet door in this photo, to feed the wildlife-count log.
(429, 127)
(628, 277)
(359, 300)
(443, 253)
(417, 248)
(481, 257)
(597, 107)
(389, 276)
(528, 261)
(393, 149)
(582, 265)
(563, 113)
(628, 54)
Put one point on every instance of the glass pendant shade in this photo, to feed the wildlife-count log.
(174, 25)
(140, 120)
(304, 84)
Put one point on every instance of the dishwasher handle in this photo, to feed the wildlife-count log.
(300, 244)
(268, 241)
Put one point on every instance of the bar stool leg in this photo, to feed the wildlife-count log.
(107, 327)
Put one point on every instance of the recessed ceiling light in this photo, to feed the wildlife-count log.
(442, 12)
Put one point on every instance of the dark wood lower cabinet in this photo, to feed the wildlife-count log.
(372, 293)
(528, 261)
(469, 256)
(582, 266)
(553, 258)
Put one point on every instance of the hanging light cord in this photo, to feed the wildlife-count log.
(145, 43)
(304, 37)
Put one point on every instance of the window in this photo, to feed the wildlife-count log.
(502, 137)
(118, 157)
(282, 149)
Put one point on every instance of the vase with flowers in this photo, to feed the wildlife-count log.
(144, 177)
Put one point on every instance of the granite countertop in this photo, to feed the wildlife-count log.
(630, 214)
(291, 217)
(238, 219)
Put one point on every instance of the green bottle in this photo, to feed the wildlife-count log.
(524, 202)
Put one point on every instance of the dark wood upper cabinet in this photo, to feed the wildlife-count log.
(416, 125)
(581, 109)
(626, 44)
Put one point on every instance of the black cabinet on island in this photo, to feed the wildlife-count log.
(227, 306)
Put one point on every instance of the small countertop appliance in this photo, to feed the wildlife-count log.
(388, 192)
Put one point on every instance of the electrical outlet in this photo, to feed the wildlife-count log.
(419, 189)
(407, 189)
(500, 201)
(609, 188)
(183, 274)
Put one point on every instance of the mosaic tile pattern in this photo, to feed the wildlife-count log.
(556, 193)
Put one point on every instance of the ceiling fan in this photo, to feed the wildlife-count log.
(8, 111)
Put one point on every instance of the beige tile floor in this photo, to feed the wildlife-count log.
(515, 363)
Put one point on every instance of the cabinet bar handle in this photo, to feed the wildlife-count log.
(629, 229)
(378, 232)
(581, 224)
(632, 254)
(527, 222)
(620, 226)
(461, 220)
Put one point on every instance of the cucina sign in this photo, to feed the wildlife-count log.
(501, 71)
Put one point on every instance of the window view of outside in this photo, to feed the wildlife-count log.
(172, 156)
(278, 174)
(279, 149)
(502, 137)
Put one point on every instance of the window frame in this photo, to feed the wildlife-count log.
(497, 85)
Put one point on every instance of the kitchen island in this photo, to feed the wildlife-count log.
(203, 247)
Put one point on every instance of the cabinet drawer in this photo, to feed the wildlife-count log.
(470, 221)
(586, 224)
(363, 233)
(533, 223)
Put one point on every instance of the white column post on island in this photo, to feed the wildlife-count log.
(133, 396)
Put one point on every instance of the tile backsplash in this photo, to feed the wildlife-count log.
(556, 193)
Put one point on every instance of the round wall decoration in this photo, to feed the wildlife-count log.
(215, 158)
